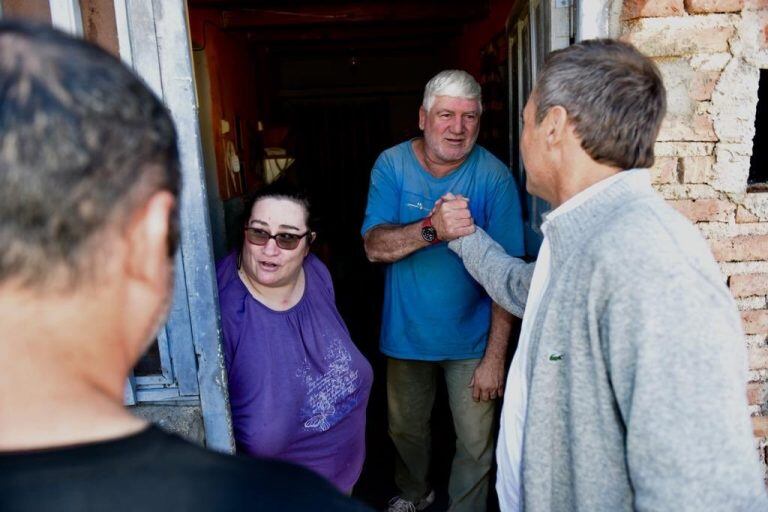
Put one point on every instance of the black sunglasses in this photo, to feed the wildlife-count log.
(287, 241)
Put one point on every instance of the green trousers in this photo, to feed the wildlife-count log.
(411, 387)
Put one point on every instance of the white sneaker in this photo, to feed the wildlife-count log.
(398, 504)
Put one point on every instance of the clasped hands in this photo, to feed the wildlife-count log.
(451, 217)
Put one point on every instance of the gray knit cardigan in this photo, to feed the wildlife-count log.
(637, 367)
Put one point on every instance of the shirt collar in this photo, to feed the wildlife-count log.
(633, 177)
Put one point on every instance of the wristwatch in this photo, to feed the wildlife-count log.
(428, 232)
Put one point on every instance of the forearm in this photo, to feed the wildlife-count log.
(488, 378)
(498, 336)
(389, 243)
(505, 278)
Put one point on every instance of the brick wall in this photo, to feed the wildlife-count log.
(710, 53)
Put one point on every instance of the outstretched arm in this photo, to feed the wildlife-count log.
(505, 278)
(387, 243)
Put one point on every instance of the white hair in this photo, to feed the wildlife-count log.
(455, 83)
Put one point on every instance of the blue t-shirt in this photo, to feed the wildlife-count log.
(433, 309)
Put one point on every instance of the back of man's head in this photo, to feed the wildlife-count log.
(614, 96)
(83, 144)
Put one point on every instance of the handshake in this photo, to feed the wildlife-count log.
(451, 217)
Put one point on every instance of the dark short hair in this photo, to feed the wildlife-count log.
(281, 189)
(83, 144)
(614, 96)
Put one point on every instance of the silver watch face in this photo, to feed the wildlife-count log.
(429, 234)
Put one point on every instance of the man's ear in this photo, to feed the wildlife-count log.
(555, 123)
(422, 117)
(147, 239)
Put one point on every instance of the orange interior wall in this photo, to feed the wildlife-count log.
(478, 34)
(38, 10)
(99, 24)
(235, 90)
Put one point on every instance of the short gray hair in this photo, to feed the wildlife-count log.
(614, 96)
(455, 83)
(83, 144)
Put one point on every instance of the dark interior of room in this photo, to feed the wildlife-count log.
(333, 84)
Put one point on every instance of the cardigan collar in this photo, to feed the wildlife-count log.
(566, 229)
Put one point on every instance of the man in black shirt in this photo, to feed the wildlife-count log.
(89, 185)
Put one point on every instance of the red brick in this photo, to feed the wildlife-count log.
(696, 128)
(756, 4)
(765, 36)
(708, 6)
(705, 210)
(652, 8)
(741, 248)
(760, 426)
(703, 84)
(757, 393)
(744, 215)
(696, 169)
(756, 322)
(699, 35)
(664, 169)
(748, 285)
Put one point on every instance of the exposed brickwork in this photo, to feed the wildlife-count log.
(664, 169)
(765, 37)
(669, 37)
(652, 8)
(709, 210)
(710, 6)
(703, 84)
(760, 426)
(710, 57)
(757, 393)
(744, 215)
(697, 169)
(747, 285)
(756, 322)
(698, 126)
(741, 248)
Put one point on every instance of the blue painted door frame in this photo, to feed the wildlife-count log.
(154, 39)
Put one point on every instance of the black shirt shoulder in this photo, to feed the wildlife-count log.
(157, 471)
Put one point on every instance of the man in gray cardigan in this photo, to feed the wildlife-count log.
(629, 378)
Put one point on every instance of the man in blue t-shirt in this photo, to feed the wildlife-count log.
(435, 315)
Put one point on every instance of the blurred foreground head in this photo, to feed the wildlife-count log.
(84, 148)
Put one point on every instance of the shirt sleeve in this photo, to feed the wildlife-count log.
(383, 196)
(322, 275)
(505, 218)
(505, 278)
(231, 314)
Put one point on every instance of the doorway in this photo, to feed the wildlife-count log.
(315, 92)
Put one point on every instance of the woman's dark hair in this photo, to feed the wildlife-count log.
(280, 189)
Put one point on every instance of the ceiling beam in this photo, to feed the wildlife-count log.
(370, 13)
(376, 35)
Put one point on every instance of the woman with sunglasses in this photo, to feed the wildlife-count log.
(298, 386)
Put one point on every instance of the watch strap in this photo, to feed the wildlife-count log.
(427, 223)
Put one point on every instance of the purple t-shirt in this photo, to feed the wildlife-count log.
(298, 386)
